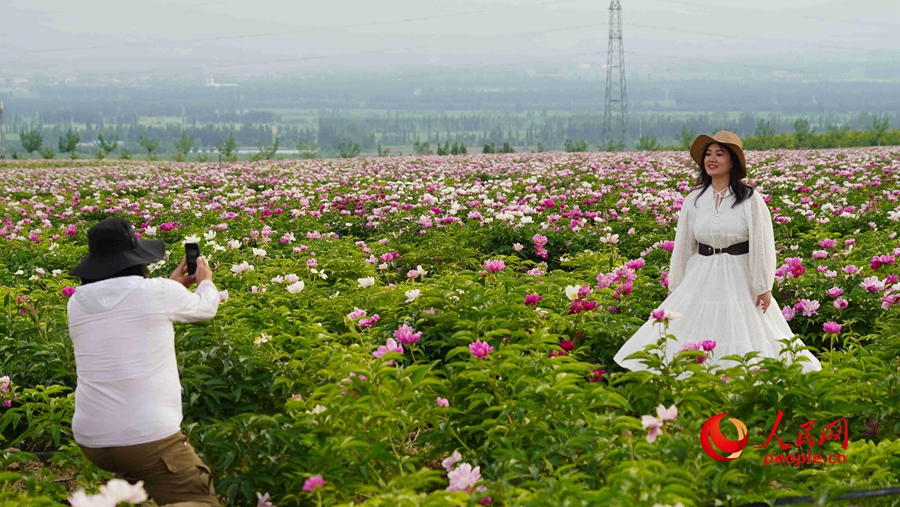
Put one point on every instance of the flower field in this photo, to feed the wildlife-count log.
(440, 330)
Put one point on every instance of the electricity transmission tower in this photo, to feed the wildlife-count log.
(615, 115)
(2, 136)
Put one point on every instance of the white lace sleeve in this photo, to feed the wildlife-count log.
(762, 246)
(685, 244)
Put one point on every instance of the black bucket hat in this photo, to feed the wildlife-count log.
(113, 247)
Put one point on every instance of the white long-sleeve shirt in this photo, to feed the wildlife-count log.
(749, 221)
(128, 390)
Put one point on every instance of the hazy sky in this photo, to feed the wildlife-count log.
(225, 36)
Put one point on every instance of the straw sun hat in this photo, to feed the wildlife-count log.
(730, 139)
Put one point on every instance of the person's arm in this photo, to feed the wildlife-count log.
(686, 245)
(762, 246)
(187, 306)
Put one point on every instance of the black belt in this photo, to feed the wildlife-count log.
(735, 249)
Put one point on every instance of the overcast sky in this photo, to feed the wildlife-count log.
(89, 36)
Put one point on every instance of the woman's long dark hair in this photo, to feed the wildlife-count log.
(138, 270)
(739, 189)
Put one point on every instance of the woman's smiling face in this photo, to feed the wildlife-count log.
(717, 160)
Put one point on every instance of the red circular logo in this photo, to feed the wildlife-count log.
(712, 439)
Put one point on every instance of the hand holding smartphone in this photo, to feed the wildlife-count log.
(192, 251)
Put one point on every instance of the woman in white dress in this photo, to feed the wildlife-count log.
(722, 267)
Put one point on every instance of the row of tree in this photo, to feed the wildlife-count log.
(763, 138)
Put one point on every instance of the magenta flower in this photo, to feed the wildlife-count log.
(480, 349)
(389, 347)
(808, 307)
(881, 260)
(68, 291)
(850, 269)
(356, 313)
(787, 312)
(532, 299)
(406, 334)
(827, 243)
(494, 265)
(443, 402)
(539, 240)
(840, 303)
(596, 375)
(313, 483)
(834, 292)
(657, 314)
(667, 245)
(604, 280)
(369, 321)
(708, 345)
(820, 254)
(832, 327)
(567, 345)
(872, 284)
(635, 264)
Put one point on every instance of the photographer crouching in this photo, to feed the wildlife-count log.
(128, 394)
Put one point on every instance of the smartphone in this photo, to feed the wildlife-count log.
(192, 251)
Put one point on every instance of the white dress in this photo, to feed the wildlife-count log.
(716, 294)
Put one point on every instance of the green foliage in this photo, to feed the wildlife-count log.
(383, 152)
(802, 131)
(151, 145)
(687, 137)
(648, 144)
(228, 148)
(183, 147)
(125, 154)
(575, 147)
(422, 148)
(348, 151)
(308, 150)
(31, 141)
(266, 152)
(489, 148)
(47, 152)
(68, 143)
(541, 425)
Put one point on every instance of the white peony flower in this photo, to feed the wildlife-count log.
(412, 295)
(150, 231)
(208, 236)
(259, 252)
(368, 281)
(191, 239)
(572, 292)
(233, 243)
(296, 287)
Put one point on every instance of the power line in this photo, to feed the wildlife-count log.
(743, 37)
(303, 30)
(818, 18)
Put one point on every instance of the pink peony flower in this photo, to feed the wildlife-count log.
(832, 327)
(532, 299)
(313, 483)
(356, 313)
(850, 269)
(787, 312)
(827, 243)
(263, 500)
(667, 245)
(443, 402)
(390, 346)
(708, 345)
(480, 349)
(635, 264)
(406, 334)
(494, 265)
(464, 478)
(68, 291)
(840, 303)
(834, 292)
(596, 375)
(808, 307)
(872, 284)
(451, 460)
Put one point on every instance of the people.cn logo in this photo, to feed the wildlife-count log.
(713, 441)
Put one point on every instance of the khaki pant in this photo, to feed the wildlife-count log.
(172, 472)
